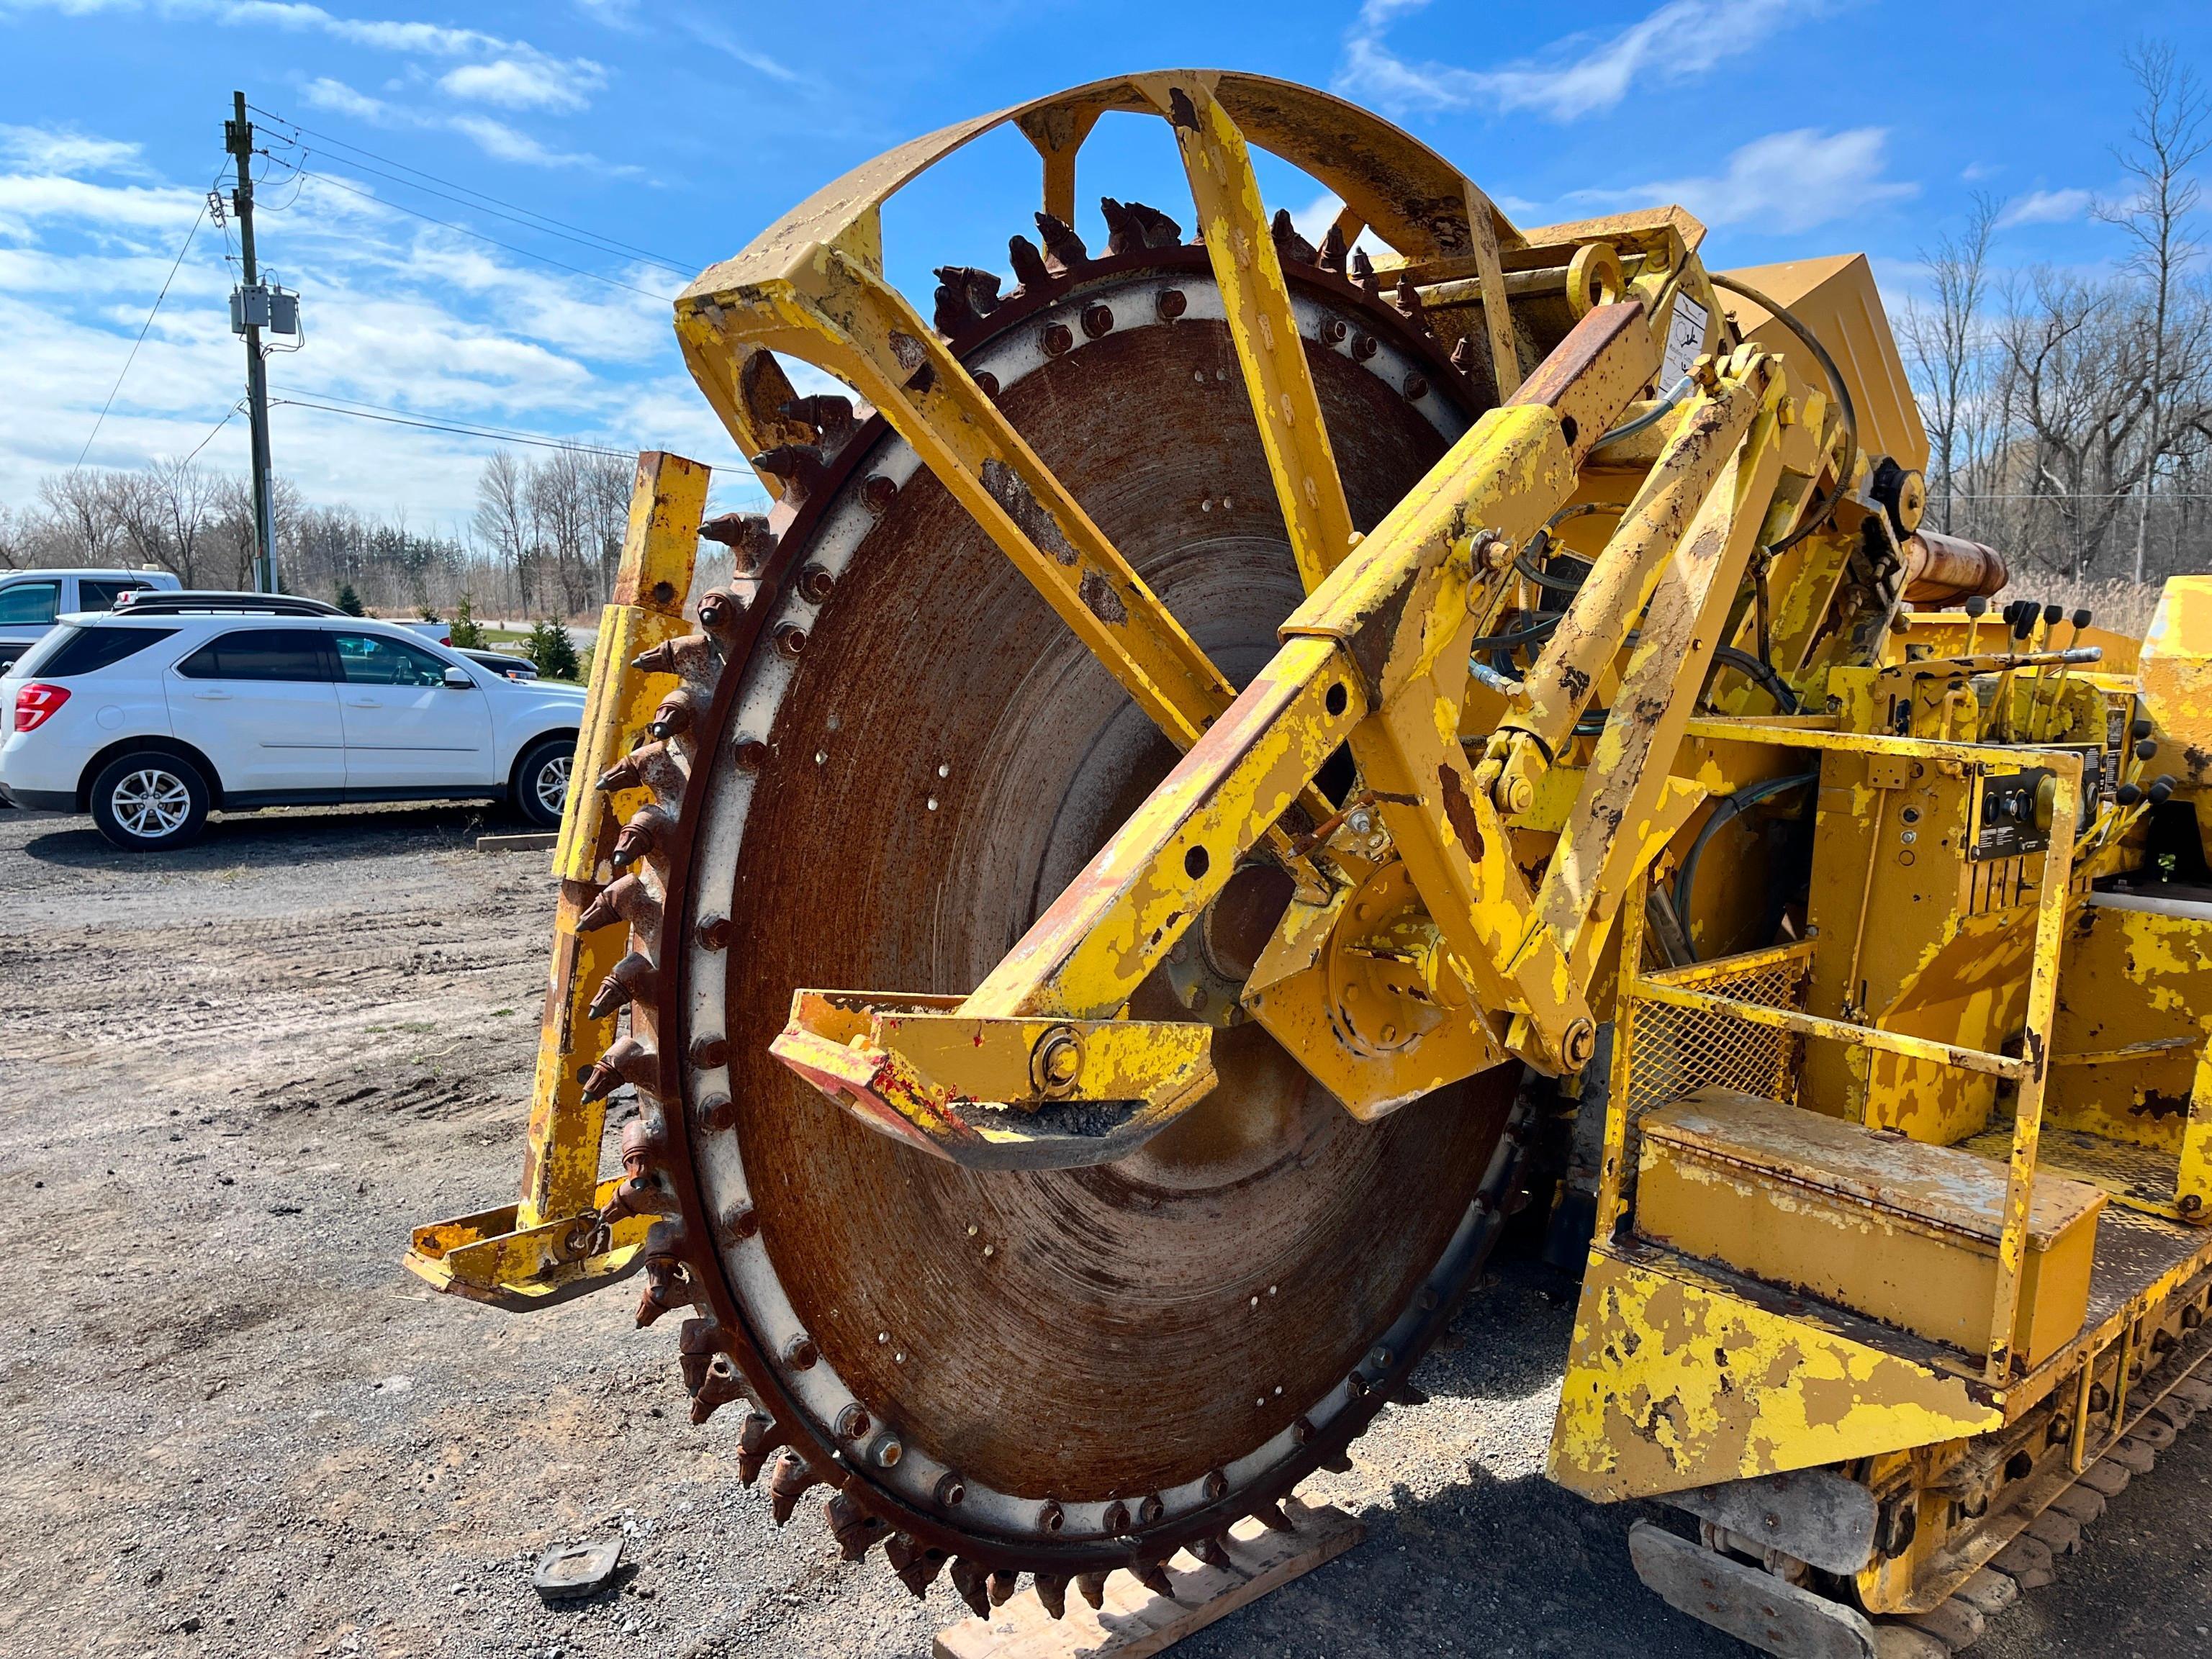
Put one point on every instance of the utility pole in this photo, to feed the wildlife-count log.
(238, 139)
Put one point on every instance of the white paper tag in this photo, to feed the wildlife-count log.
(1685, 339)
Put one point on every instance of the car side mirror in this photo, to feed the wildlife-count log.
(460, 679)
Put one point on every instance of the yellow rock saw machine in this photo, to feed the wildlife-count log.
(1222, 748)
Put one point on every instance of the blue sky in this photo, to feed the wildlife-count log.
(678, 132)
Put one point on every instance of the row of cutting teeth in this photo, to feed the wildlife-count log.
(810, 431)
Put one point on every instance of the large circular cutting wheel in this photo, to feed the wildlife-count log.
(1062, 1371)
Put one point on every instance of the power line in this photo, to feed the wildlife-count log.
(175, 265)
(494, 433)
(302, 173)
(523, 252)
(543, 220)
(229, 415)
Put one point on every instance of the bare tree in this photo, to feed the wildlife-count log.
(2170, 137)
(82, 511)
(2077, 369)
(13, 538)
(502, 519)
(607, 482)
(560, 513)
(1949, 344)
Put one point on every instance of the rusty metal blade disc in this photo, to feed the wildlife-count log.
(940, 757)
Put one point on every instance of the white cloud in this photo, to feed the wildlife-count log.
(1581, 74)
(26, 198)
(1784, 182)
(2044, 207)
(47, 150)
(502, 142)
(399, 313)
(526, 81)
(324, 92)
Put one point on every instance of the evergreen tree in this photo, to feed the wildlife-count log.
(350, 601)
(465, 632)
(553, 651)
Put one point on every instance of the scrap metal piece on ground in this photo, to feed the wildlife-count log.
(535, 841)
(1133, 1621)
(568, 1571)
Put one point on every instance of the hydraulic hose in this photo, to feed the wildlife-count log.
(1781, 315)
(1730, 808)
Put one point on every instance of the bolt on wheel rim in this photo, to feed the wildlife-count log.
(151, 803)
(553, 785)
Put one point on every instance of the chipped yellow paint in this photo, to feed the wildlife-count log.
(1262, 321)
(2175, 672)
(1674, 1380)
(2131, 978)
(545, 1243)
(561, 1159)
(494, 1257)
(1118, 918)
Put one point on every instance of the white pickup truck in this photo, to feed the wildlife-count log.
(31, 600)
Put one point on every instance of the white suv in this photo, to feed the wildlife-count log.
(151, 716)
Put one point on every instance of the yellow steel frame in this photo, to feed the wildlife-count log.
(548, 1243)
(1377, 655)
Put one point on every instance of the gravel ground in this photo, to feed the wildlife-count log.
(234, 1077)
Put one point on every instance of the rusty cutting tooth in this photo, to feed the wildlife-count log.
(855, 1530)
(626, 1061)
(674, 716)
(1092, 1587)
(664, 1290)
(1052, 1591)
(693, 656)
(1154, 1577)
(831, 417)
(788, 1483)
(1134, 227)
(969, 1579)
(1337, 1464)
(917, 1566)
(722, 1387)
(646, 832)
(1030, 271)
(965, 296)
(639, 1195)
(623, 899)
(1407, 298)
(1064, 251)
(922, 1572)
(623, 984)
(1209, 1551)
(719, 612)
(1463, 357)
(750, 540)
(1271, 1516)
(801, 466)
(1003, 1586)
(1333, 251)
(757, 1436)
(1404, 1393)
(697, 1342)
(1290, 247)
(652, 766)
(1363, 272)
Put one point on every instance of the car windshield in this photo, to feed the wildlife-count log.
(373, 660)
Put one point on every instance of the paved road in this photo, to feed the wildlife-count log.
(234, 1077)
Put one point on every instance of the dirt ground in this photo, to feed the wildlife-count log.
(234, 1424)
